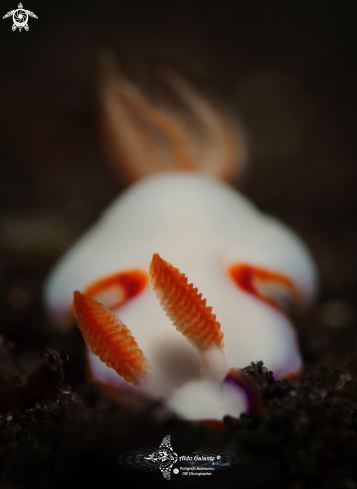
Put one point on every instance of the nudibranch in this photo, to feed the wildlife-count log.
(247, 264)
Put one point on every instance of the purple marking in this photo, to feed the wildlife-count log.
(243, 387)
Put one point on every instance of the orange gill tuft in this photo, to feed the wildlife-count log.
(184, 306)
(109, 339)
(143, 137)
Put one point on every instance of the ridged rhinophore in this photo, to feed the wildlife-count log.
(184, 306)
(109, 339)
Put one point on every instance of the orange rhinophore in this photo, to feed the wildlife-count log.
(184, 306)
(109, 339)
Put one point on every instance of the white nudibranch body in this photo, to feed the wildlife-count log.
(244, 263)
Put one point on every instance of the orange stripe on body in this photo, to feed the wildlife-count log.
(123, 286)
(109, 339)
(184, 306)
(115, 290)
(212, 423)
(248, 277)
(295, 376)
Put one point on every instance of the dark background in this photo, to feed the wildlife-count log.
(288, 73)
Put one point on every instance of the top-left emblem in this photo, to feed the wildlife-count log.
(20, 17)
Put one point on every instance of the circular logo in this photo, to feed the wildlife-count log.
(20, 17)
(176, 471)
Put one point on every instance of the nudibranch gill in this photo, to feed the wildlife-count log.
(211, 396)
(246, 263)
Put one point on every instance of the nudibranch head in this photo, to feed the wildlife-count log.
(247, 264)
(214, 393)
